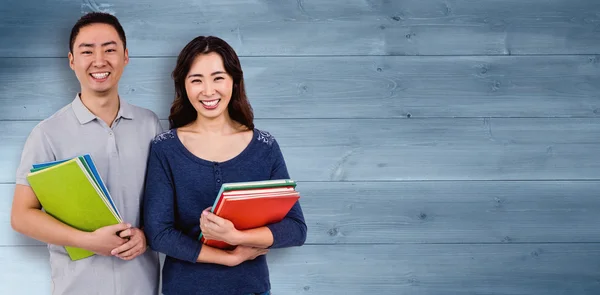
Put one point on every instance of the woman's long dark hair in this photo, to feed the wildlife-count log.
(182, 111)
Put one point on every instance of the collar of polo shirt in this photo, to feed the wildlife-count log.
(84, 115)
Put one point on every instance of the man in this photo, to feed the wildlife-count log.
(117, 135)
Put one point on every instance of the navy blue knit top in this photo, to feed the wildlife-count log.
(180, 185)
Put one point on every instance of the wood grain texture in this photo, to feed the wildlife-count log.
(450, 212)
(429, 212)
(386, 269)
(25, 270)
(323, 27)
(437, 269)
(441, 146)
(341, 87)
(416, 149)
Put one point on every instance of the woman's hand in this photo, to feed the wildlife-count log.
(244, 253)
(214, 227)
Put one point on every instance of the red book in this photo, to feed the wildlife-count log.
(253, 204)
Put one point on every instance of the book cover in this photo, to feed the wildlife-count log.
(70, 193)
(249, 185)
(90, 167)
(253, 204)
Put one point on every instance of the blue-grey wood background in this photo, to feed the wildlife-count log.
(441, 146)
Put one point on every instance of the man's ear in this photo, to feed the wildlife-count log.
(71, 57)
(126, 56)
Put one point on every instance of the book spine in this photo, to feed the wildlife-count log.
(259, 184)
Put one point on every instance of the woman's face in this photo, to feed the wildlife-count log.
(208, 85)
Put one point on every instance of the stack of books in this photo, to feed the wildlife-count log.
(73, 192)
(253, 204)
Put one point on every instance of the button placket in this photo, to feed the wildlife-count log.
(112, 143)
(217, 173)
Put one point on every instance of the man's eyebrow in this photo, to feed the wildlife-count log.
(109, 43)
(93, 44)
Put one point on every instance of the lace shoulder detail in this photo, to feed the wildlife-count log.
(169, 134)
(265, 137)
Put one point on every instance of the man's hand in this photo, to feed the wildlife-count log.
(214, 227)
(103, 240)
(135, 247)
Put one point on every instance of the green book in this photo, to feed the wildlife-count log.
(256, 184)
(70, 192)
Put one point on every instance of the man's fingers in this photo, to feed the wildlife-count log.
(124, 247)
(119, 227)
(126, 233)
(134, 253)
(131, 252)
(130, 257)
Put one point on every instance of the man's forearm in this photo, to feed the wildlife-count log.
(39, 225)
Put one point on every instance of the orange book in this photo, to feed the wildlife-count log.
(253, 204)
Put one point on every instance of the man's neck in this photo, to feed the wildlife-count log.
(105, 107)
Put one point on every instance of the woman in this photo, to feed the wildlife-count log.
(211, 141)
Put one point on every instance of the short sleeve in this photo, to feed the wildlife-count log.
(159, 128)
(37, 149)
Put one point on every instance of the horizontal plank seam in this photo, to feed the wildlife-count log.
(597, 117)
(451, 243)
(431, 180)
(391, 244)
(355, 55)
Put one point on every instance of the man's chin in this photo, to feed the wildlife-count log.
(101, 91)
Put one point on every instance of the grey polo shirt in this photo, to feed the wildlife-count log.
(121, 153)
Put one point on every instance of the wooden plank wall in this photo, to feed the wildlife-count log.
(441, 146)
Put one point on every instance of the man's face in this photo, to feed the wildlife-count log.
(98, 58)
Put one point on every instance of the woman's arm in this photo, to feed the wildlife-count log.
(291, 231)
(230, 258)
(158, 214)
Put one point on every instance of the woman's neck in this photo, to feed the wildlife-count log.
(222, 125)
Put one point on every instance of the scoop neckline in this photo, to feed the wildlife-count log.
(206, 162)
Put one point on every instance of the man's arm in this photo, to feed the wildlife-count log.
(27, 218)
